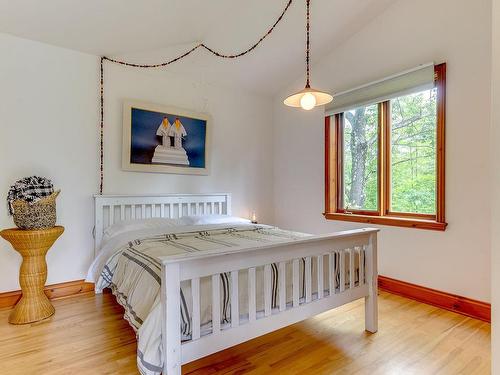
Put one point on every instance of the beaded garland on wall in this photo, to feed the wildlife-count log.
(148, 66)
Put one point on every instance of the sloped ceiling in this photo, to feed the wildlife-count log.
(153, 30)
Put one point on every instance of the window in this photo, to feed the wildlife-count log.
(359, 151)
(384, 162)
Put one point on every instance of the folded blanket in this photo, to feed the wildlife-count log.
(29, 189)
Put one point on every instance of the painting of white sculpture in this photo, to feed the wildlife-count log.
(164, 139)
(167, 153)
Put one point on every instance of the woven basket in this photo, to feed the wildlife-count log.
(39, 215)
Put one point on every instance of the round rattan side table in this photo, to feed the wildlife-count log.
(33, 246)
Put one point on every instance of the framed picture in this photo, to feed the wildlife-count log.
(165, 139)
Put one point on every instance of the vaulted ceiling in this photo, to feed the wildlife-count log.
(153, 30)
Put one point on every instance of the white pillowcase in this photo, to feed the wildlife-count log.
(214, 219)
(139, 224)
(158, 223)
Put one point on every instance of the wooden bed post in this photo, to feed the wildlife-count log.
(371, 301)
(171, 323)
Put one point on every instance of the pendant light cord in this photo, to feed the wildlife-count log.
(307, 41)
(200, 45)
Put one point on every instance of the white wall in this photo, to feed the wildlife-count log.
(48, 112)
(241, 147)
(495, 189)
(407, 34)
(49, 126)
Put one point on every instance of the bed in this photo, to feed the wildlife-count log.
(194, 280)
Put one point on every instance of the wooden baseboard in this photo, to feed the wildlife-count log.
(54, 291)
(462, 305)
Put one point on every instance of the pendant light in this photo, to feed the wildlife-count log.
(308, 98)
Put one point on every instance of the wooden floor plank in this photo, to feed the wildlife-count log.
(88, 335)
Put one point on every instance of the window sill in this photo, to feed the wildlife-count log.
(387, 220)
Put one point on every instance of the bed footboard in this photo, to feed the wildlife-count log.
(348, 259)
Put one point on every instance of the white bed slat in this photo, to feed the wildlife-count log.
(295, 282)
(351, 268)
(267, 289)
(111, 215)
(361, 266)
(162, 210)
(308, 279)
(252, 308)
(282, 286)
(235, 310)
(331, 274)
(195, 291)
(342, 271)
(189, 208)
(216, 304)
(171, 291)
(132, 211)
(371, 301)
(143, 211)
(320, 272)
(122, 212)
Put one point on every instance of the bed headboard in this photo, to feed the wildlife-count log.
(110, 209)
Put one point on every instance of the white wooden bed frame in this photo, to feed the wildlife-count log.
(352, 245)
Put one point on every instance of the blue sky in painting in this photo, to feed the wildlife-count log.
(144, 138)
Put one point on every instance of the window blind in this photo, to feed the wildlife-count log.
(412, 80)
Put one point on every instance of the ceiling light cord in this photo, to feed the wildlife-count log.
(308, 43)
(308, 98)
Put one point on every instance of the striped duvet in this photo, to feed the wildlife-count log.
(133, 272)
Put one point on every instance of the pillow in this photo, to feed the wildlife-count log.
(214, 219)
(138, 224)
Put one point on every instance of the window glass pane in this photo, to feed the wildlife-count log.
(360, 158)
(413, 153)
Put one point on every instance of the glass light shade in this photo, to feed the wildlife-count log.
(304, 97)
(308, 101)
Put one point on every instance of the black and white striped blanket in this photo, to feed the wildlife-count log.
(134, 275)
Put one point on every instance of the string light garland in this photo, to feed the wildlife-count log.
(101, 180)
(308, 98)
(159, 65)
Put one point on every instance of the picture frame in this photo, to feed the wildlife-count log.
(165, 139)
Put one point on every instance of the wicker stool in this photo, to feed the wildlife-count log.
(33, 246)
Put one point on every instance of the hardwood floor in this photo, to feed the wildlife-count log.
(87, 335)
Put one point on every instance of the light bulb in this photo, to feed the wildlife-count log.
(308, 101)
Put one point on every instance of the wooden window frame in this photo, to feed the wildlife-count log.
(334, 170)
